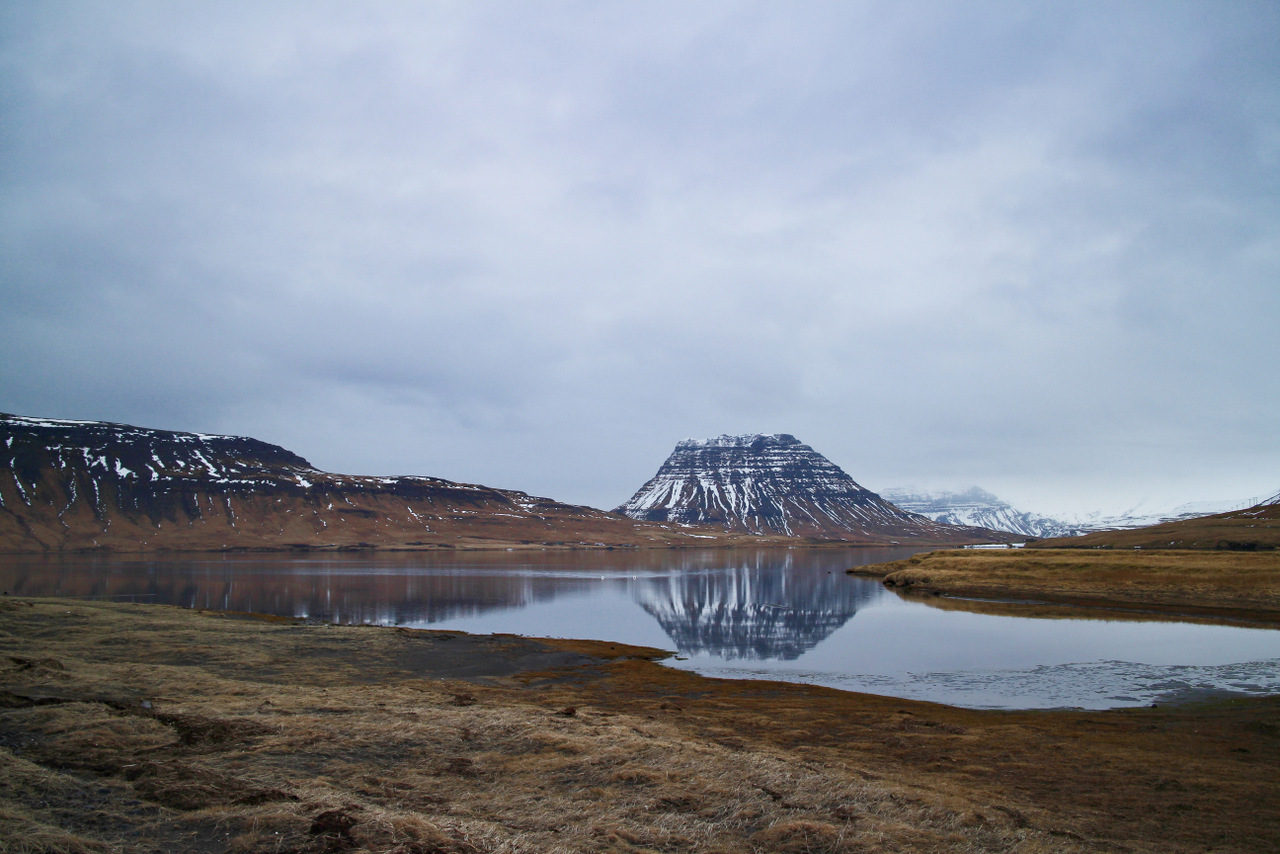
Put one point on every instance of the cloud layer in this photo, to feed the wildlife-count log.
(1030, 246)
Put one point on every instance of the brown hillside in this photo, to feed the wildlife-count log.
(1252, 529)
(86, 485)
(68, 486)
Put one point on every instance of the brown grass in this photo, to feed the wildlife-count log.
(130, 727)
(1252, 529)
(1245, 585)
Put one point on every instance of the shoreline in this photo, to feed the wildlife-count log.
(769, 543)
(1208, 585)
(254, 735)
(1047, 605)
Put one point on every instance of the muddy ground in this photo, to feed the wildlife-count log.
(151, 728)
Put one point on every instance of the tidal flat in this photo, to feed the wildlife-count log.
(130, 727)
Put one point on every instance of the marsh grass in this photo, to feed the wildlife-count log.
(1186, 580)
(150, 728)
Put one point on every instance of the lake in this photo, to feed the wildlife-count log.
(777, 614)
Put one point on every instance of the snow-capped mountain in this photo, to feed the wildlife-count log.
(85, 485)
(774, 484)
(1144, 515)
(976, 506)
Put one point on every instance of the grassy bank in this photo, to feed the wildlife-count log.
(1243, 585)
(148, 728)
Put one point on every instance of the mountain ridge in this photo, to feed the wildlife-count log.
(977, 506)
(92, 485)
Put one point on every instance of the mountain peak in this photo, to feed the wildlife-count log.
(746, 440)
(775, 484)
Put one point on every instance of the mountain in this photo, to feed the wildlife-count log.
(977, 507)
(1255, 528)
(84, 485)
(774, 484)
(1145, 515)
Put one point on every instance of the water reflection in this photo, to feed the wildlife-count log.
(753, 611)
(757, 604)
(761, 614)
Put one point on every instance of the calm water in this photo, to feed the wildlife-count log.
(790, 615)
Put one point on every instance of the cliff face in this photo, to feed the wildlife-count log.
(774, 484)
(71, 485)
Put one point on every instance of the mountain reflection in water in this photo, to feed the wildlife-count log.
(734, 604)
(738, 614)
(752, 611)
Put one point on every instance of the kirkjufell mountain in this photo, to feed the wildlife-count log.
(775, 484)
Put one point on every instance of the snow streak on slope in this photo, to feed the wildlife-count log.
(775, 484)
(67, 485)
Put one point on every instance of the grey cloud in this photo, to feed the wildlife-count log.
(534, 246)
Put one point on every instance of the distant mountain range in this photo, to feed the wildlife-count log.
(1255, 528)
(775, 484)
(88, 485)
(1143, 516)
(976, 506)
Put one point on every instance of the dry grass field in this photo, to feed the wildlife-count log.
(149, 728)
(1242, 585)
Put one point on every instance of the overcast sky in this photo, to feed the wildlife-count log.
(1030, 246)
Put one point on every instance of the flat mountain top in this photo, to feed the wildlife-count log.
(775, 484)
(746, 440)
